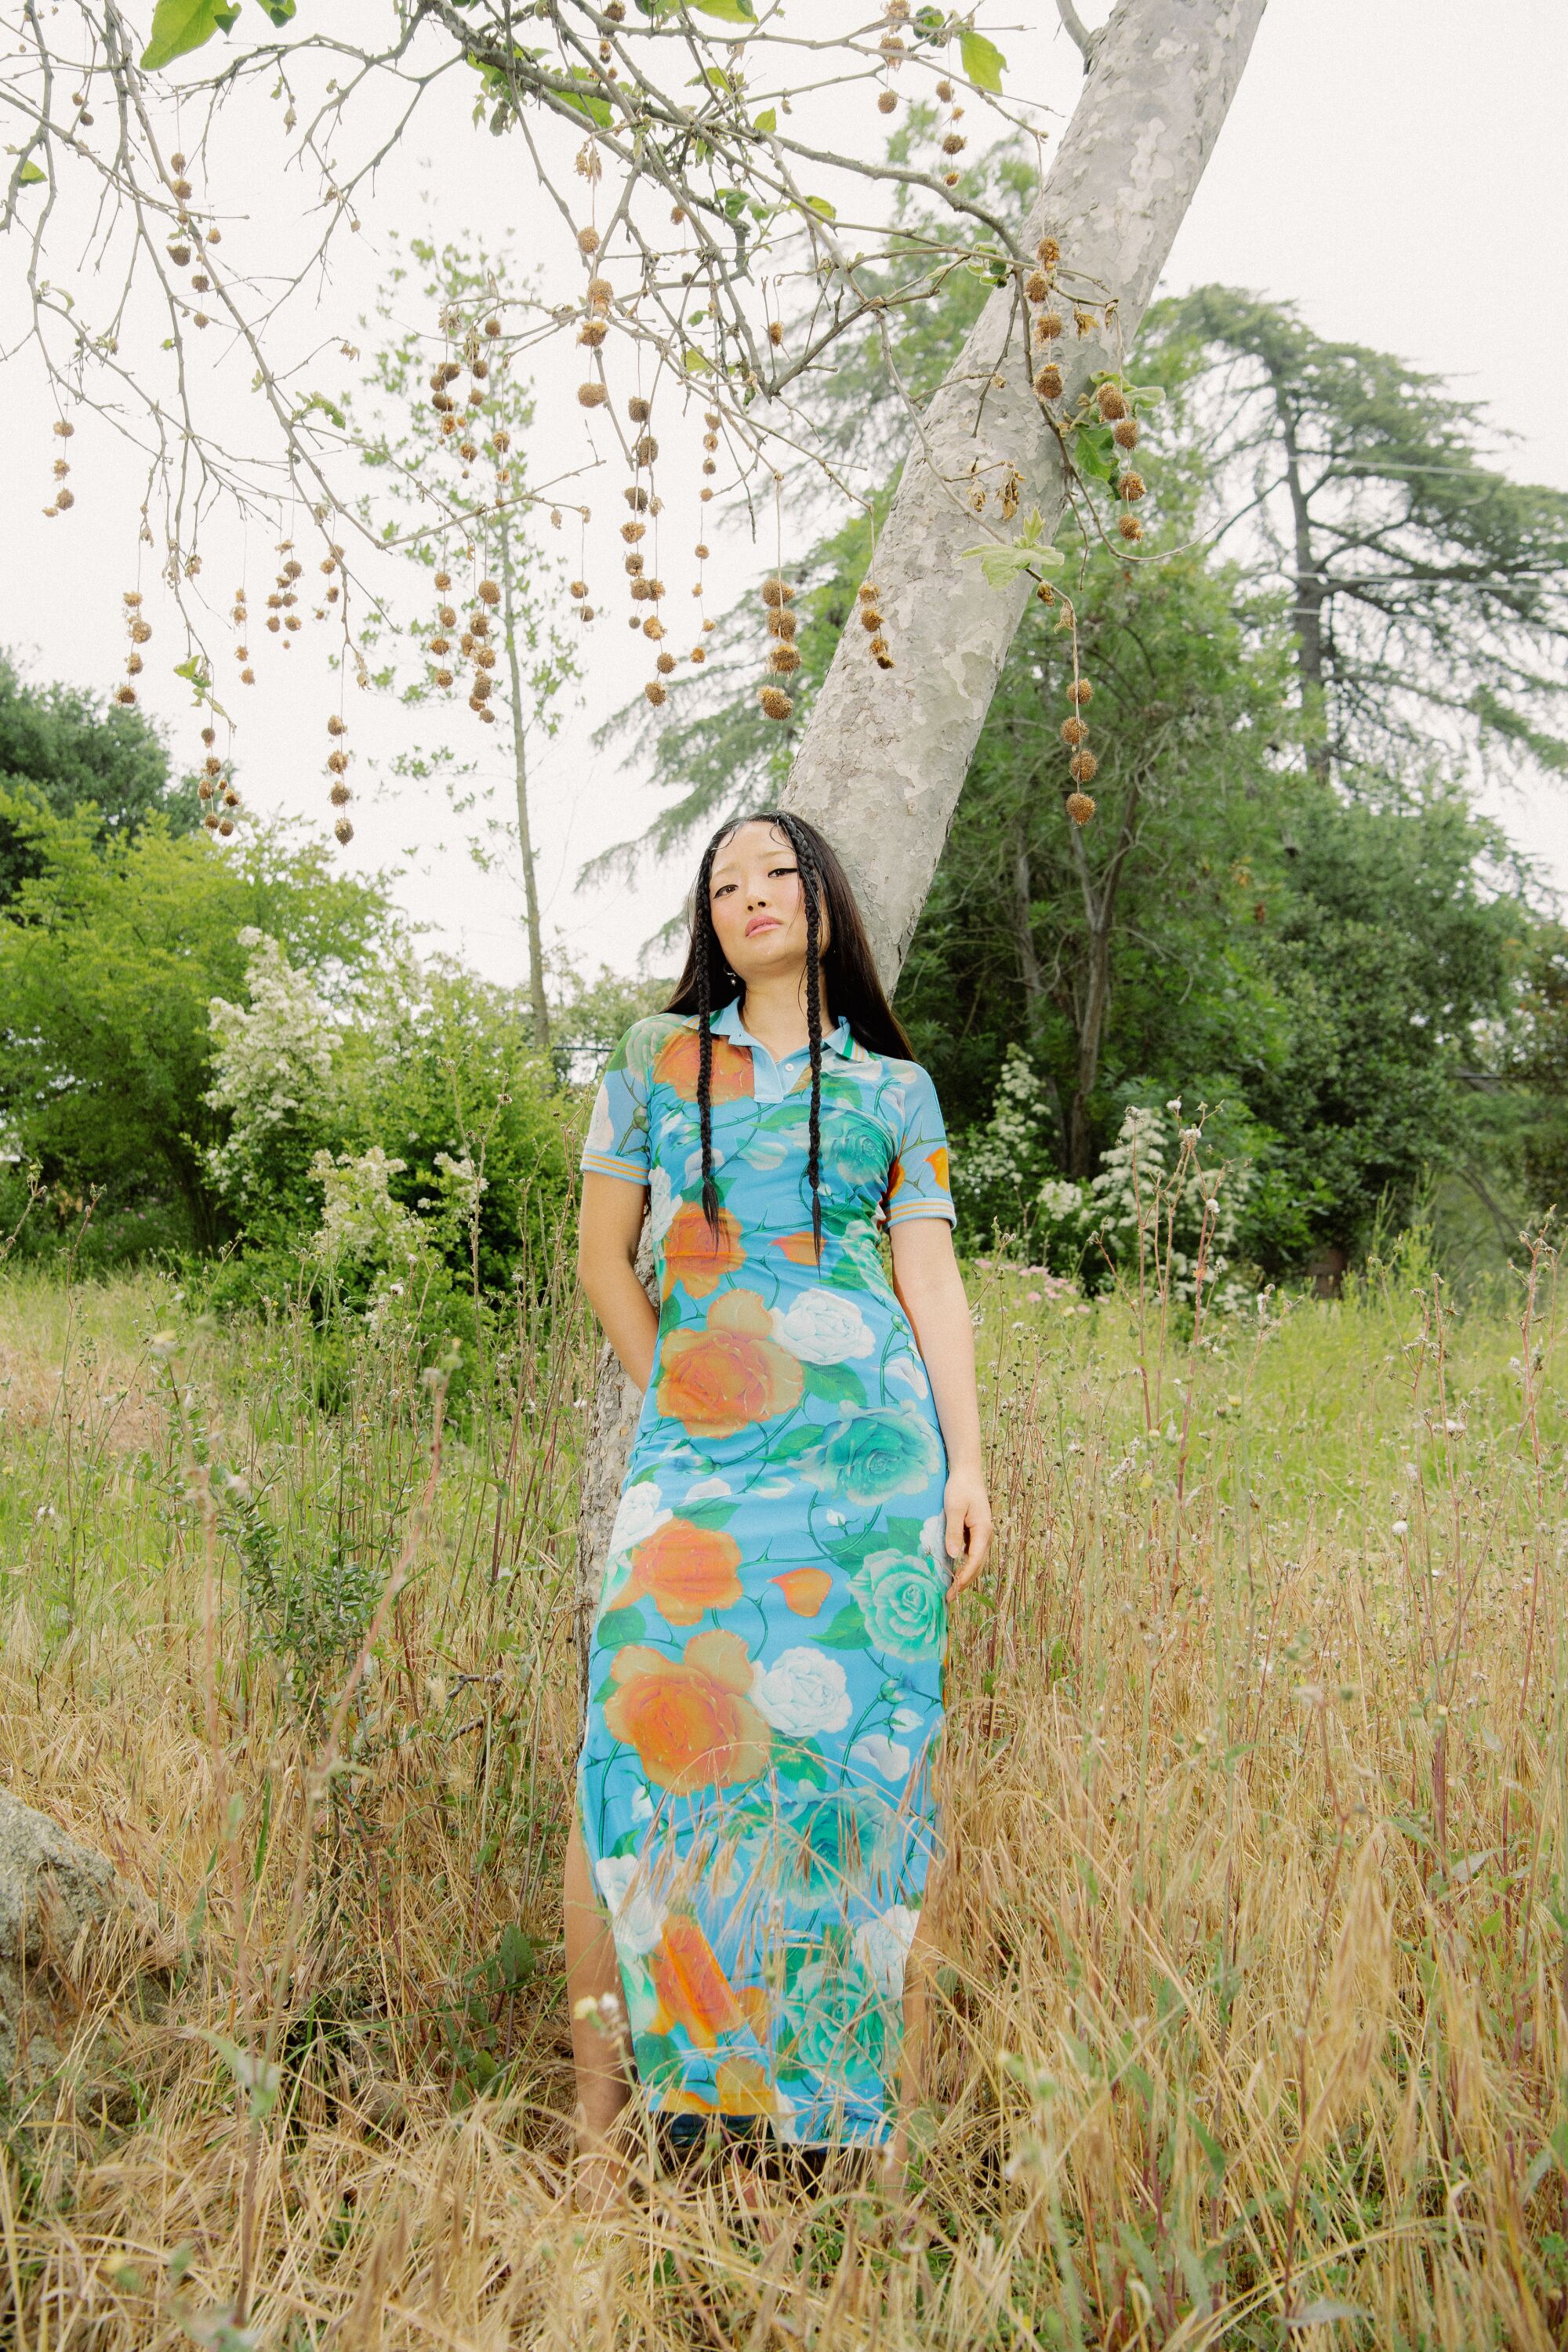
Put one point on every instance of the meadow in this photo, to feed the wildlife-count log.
(1251, 2028)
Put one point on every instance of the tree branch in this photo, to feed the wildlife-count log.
(1079, 32)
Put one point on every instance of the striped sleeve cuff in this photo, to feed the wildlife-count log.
(905, 1213)
(600, 1163)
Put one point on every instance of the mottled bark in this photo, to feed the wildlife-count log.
(883, 759)
(1312, 593)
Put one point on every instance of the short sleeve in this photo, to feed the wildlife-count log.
(918, 1183)
(616, 1142)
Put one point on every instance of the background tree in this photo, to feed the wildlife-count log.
(1428, 590)
(67, 752)
(480, 552)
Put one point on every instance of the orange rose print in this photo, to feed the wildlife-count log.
(689, 1719)
(805, 1588)
(693, 1990)
(685, 1571)
(677, 1066)
(799, 1248)
(696, 1257)
(896, 1178)
(745, 2089)
(937, 1161)
(718, 1381)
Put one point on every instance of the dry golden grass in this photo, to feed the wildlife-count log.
(1252, 2031)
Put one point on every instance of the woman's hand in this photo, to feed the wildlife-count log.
(968, 1515)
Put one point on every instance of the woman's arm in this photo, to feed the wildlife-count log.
(930, 1289)
(608, 1230)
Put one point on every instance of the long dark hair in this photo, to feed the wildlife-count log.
(855, 992)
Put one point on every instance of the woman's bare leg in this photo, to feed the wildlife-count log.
(597, 2043)
(920, 1967)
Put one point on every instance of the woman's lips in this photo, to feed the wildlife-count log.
(761, 923)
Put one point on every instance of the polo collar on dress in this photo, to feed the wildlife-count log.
(727, 1022)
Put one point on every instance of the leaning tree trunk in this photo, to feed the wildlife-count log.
(883, 759)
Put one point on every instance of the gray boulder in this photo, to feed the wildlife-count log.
(63, 1911)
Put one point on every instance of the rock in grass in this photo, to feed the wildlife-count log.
(62, 1904)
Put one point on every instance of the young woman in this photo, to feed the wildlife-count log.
(756, 1820)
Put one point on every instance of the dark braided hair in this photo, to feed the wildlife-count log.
(854, 989)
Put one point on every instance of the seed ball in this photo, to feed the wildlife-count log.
(1048, 383)
(638, 409)
(1081, 767)
(954, 143)
(215, 237)
(176, 162)
(1048, 326)
(230, 798)
(592, 332)
(340, 795)
(444, 677)
(1131, 486)
(950, 179)
(1111, 405)
(126, 694)
(773, 592)
(783, 625)
(702, 553)
(579, 590)
(592, 395)
(344, 831)
(336, 726)
(653, 628)
(664, 664)
(600, 292)
(337, 762)
(64, 498)
(870, 618)
(1126, 434)
(64, 430)
(1073, 732)
(447, 616)
(1081, 691)
(179, 255)
(226, 826)
(201, 284)
(586, 614)
(1129, 526)
(489, 592)
(709, 624)
(212, 768)
(699, 653)
(647, 450)
(887, 102)
(637, 499)
(784, 658)
(884, 658)
(133, 664)
(775, 333)
(210, 820)
(1047, 252)
(945, 91)
(1046, 593)
(273, 623)
(775, 703)
(704, 494)
(203, 790)
(641, 590)
(709, 467)
(1080, 807)
(633, 564)
(248, 677)
(632, 531)
(139, 632)
(439, 646)
(587, 240)
(657, 691)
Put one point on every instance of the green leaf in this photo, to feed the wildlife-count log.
(712, 1511)
(279, 11)
(1215, 2156)
(259, 2077)
(983, 61)
(847, 1632)
(729, 12)
(768, 121)
(835, 1383)
(822, 208)
(1002, 561)
(698, 364)
(792, 1444)
(620, 1626)
(181, 25)
(29, 176)
(800, 1761)
(594, 109)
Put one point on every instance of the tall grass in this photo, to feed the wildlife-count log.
(1251, 2028)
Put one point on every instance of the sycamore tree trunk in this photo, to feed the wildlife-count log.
(883, 759)
(1312, 593)
(536, 991)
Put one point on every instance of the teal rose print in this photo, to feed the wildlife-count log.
(871, 1456)
(833, 2018)
(902, 1597)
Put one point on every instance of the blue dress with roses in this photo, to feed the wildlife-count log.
(766, 1666)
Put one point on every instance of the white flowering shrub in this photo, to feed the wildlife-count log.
(1155, 1207)
(1000, 1171)
(378, 1252)
(272, 1073)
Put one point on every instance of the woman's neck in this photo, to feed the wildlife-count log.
(774, 1011)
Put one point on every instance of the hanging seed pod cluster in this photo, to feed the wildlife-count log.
(337, 769)
(468, 427)
(139, 630)
(951, 140)
(216, 789)
(63, 498)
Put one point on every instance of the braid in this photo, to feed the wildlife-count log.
(809, 883)
(702, 924)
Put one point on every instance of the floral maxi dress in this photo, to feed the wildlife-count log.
(767, 1664)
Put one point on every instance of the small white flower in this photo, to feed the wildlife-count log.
(907, 1718)
(883, 1754)
(1402, 1527)
(637, 1915)
(824, 1327)
(660, 1204)
(883, 1944)
(709, 1490)
(642, 1805)
(804, 1690)
(642, 1509)
(602, 1125)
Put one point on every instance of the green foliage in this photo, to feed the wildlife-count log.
(181, 25)
(110, 956)
(66, 751)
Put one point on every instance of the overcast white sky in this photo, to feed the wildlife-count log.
(1392, 165)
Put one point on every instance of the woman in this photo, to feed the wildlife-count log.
(756, 1820)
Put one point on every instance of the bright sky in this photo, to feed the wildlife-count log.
(1389, 165)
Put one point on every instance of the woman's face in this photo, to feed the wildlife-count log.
(759, 905)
